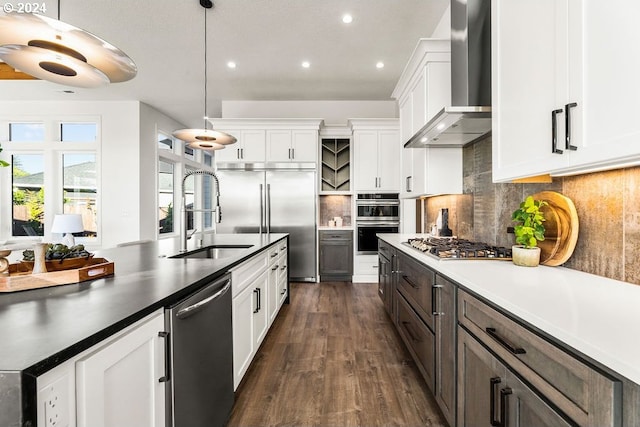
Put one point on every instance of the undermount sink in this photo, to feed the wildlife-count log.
(214, 252)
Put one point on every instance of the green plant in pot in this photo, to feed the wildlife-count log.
(529, 231)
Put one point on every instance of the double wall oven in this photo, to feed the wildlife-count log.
(376, 213)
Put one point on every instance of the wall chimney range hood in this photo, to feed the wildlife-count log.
(469, 117)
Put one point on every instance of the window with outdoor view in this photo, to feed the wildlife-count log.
(166, 213)
(80, 190)
(27, 195)
(26, 132)
(78, 132)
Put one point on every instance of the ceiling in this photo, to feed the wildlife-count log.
(268, 39)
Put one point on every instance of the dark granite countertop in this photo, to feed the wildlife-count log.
(44, 327)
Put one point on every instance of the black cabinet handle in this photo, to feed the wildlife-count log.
(504, 408)
(492, 401)
(504, 343)
(167, 357)
(567, 125)
(554, 131)
(413, 285)
(410, 332)
(434, 298)
(274, 268)
(256, 291)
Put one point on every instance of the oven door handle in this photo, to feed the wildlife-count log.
(378, 224)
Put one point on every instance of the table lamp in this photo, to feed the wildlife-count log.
(67, 223)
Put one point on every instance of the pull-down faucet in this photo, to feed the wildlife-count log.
(183, 227)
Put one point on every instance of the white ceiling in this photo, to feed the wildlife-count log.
(268, 39)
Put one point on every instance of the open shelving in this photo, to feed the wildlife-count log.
(336, 159)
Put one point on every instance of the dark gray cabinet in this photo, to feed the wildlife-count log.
(387, 260)
(445, 334)
(336, 255)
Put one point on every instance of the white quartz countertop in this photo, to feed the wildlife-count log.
(597, 316)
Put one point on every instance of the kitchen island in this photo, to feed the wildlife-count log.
(569, 333)
(43, 328)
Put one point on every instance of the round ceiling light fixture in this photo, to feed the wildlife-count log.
(205, 139)
(52, 50)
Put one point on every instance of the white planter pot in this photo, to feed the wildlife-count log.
(525, 257)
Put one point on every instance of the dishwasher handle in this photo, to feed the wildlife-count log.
(192, 309)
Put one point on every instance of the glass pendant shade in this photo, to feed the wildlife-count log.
(203, 138)
(55, 51)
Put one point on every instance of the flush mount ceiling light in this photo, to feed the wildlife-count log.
(52, 50)
(205, 139)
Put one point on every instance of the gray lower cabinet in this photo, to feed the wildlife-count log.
(387, 277)
(336, 255)
(491, 395)
(576, 393)
(446, 327)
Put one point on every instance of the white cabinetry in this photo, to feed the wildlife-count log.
(249, 148)
(422, 91)
(376, 155)
(292, 145)
(257, 288)
(269, 140)
(566, 52)
(115, 383)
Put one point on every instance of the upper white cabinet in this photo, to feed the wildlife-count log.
(564, 86)
(270, 140)
(376, 156)
(424, 88)
(292, 145)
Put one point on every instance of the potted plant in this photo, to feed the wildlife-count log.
(529, 231)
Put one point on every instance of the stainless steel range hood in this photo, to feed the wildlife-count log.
(469, 117)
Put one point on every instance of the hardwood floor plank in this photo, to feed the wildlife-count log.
(333, 358)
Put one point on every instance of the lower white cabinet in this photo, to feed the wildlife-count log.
(365, 269)
(259, 288)
(115, 383)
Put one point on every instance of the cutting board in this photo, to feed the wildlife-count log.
(561, 228)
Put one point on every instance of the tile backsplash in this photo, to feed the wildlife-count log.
(607, 203)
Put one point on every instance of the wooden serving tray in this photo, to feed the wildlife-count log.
(21, 279)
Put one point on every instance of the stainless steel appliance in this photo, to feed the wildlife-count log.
(200, 375)
(376, 213)
(454, 248)
(274, 201)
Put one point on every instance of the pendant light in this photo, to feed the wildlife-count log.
(52, 50)
(205, 139)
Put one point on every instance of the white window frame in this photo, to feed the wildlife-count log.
(52, 149)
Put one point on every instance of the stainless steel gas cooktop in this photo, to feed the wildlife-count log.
(454, 248)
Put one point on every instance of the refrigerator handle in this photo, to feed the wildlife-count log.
(268, 208)
(261, 208)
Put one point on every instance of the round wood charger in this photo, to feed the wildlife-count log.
(561, 228)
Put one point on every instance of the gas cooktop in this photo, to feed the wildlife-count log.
(454, 248)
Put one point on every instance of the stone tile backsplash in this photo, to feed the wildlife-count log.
(608, 206)
(332, 206)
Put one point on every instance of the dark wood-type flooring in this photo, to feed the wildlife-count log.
(332, 358)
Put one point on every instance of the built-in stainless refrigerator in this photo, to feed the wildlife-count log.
(275, 201)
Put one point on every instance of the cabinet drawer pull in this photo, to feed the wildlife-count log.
(275, 254)
(434, 300)
(504, 409)
(256, 291)
(274, 268)
(492, 401)
(406, 279)
(410, 332)
(567, 126)
(167, 357)
(284, 267)
(554, 131)
(504, 343)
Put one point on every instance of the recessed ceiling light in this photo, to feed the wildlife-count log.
(306, 64)
(231, 64)
(379, 64)
(424, 139)
(347, 19)
(440, 126)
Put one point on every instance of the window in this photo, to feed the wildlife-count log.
(165, 142)
(80, 190)
(165, 197)
(26, 132)
(78, 132)
(27, 195)
(189, 195)
(188, 153)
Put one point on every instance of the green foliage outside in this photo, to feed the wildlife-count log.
(530, 230)
(2, 162)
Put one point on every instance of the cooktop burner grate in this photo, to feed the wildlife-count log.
(454, 248)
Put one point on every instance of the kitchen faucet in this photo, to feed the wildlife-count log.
(183, 227)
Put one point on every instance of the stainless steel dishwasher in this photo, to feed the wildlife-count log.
(200, 375)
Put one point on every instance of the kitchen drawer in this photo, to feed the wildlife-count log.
(419, 339)
(416, 283)
(581, 392)
(245, 273)
(386, 249)
(336, 235)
